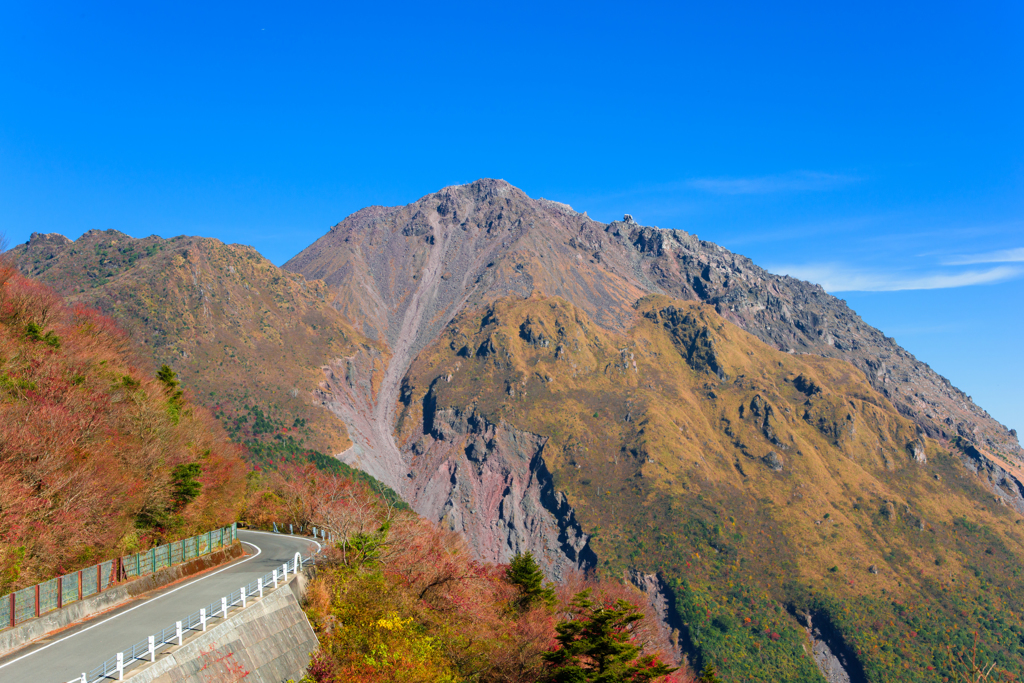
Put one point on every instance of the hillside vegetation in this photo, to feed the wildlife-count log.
(98, 457)
(247, 337)
(396, 598)
(766, 487)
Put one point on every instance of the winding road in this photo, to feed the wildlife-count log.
(65, 655)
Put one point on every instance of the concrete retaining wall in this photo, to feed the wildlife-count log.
(270, 641)
(19, 636)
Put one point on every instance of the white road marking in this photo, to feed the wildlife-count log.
(143, 604)
(271, 533)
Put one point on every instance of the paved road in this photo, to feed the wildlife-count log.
(66, 655)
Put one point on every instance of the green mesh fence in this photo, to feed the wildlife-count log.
(47, 596)
(106, 574)
(99, 577)
(90, 582)
(161, 557)
(69, 588)
(24, 604)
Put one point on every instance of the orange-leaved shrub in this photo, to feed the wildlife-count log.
(97, 456)
(400, 599)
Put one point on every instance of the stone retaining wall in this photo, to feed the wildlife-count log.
(270, 641)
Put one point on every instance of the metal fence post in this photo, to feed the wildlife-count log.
(12, 609)
(84, 678)
(298, 562)
(120, 666)
(202, 617)
(80, 584)
(177, 631)
(284, 571)
(37, 599)
(259, 586)
(12, 596)
(224, 608)
(209, 541)
(152, 648)
(60, 592)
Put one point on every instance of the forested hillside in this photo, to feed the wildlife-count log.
(100, 455)
(397, 598)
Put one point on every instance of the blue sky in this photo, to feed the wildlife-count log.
(875, 148)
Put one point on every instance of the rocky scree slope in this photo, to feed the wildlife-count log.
(239, 331)
(404, 272)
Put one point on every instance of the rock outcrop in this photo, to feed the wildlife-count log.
(489, 482)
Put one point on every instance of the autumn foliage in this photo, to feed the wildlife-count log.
(400, 599)
(97, 458)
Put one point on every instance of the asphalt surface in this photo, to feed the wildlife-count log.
(65, 655)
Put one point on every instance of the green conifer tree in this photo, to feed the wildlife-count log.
(175, 396)
(524, 572)
(595, 647)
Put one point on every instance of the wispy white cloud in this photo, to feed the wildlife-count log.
(1001, 256)
(838, 278)
(800, 181)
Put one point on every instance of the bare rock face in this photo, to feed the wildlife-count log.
(834, 659)
(661, 599)
(489, 482)
(1007, 488)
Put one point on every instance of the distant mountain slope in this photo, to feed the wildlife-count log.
(748, 480)
(247, 337)
(475, 243)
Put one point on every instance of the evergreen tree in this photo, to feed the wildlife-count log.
(524, 572)
(595, 647)
(709, 675)
(187, 486)
(175, 396)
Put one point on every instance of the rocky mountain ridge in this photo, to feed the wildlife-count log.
(620, 398)
(488, 239)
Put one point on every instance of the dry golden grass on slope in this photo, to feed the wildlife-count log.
(690, 447)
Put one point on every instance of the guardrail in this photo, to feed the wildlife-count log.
(172, 636)
(34, 601)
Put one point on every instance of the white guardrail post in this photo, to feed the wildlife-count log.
(284, 569)
(177, 631)
(84, 679)
(259, 586)
(242, 591)
(298, 562)
(202, 617)
(120, 666)
(224, 608)
(275, 578)
(152, 648)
